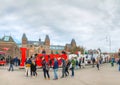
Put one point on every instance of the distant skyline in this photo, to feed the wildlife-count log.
(92, 23)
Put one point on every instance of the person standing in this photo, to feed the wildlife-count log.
(45, 67)
(16, 61)
(80, 60)
(93, 62)
(77, 64)
(118, 64)
(55, 68)
(63, 68)
(33, 68)
(112, 61)
(73, 66)
(98, 64)
(28, 67)
(83, 62)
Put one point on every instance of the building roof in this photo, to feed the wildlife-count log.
(7, 39)
(36, 42)
(24, 36)
(47, 37)
(73, 41)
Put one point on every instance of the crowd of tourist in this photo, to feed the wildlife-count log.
(65, 66)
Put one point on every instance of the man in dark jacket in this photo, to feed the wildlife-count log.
(63, 68)
(45, 67)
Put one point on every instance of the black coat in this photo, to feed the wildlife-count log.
(33, 67)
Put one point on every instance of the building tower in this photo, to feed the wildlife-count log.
(47, 40)
(73, 43)
(24, 40)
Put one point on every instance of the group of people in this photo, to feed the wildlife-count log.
(12, 61)
(31, 67)
(117, 61)
(66, 65)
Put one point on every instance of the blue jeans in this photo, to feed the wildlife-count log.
(11, 67)
(55, 74)
(63, 72)
(46, 72)
(72, 69)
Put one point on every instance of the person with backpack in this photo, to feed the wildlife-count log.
(45, 67)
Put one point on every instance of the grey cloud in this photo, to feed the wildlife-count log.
(88, 21)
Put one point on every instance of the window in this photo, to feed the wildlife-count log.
(6, 39)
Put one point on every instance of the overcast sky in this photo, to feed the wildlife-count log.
(92, 23)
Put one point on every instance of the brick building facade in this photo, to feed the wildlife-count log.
(34, 47)
(8, 46)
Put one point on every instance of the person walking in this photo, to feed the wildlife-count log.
(67, 67)
(55, 68)
(45, 67)
(11, 64)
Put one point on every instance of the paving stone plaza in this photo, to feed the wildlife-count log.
(107, 75)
